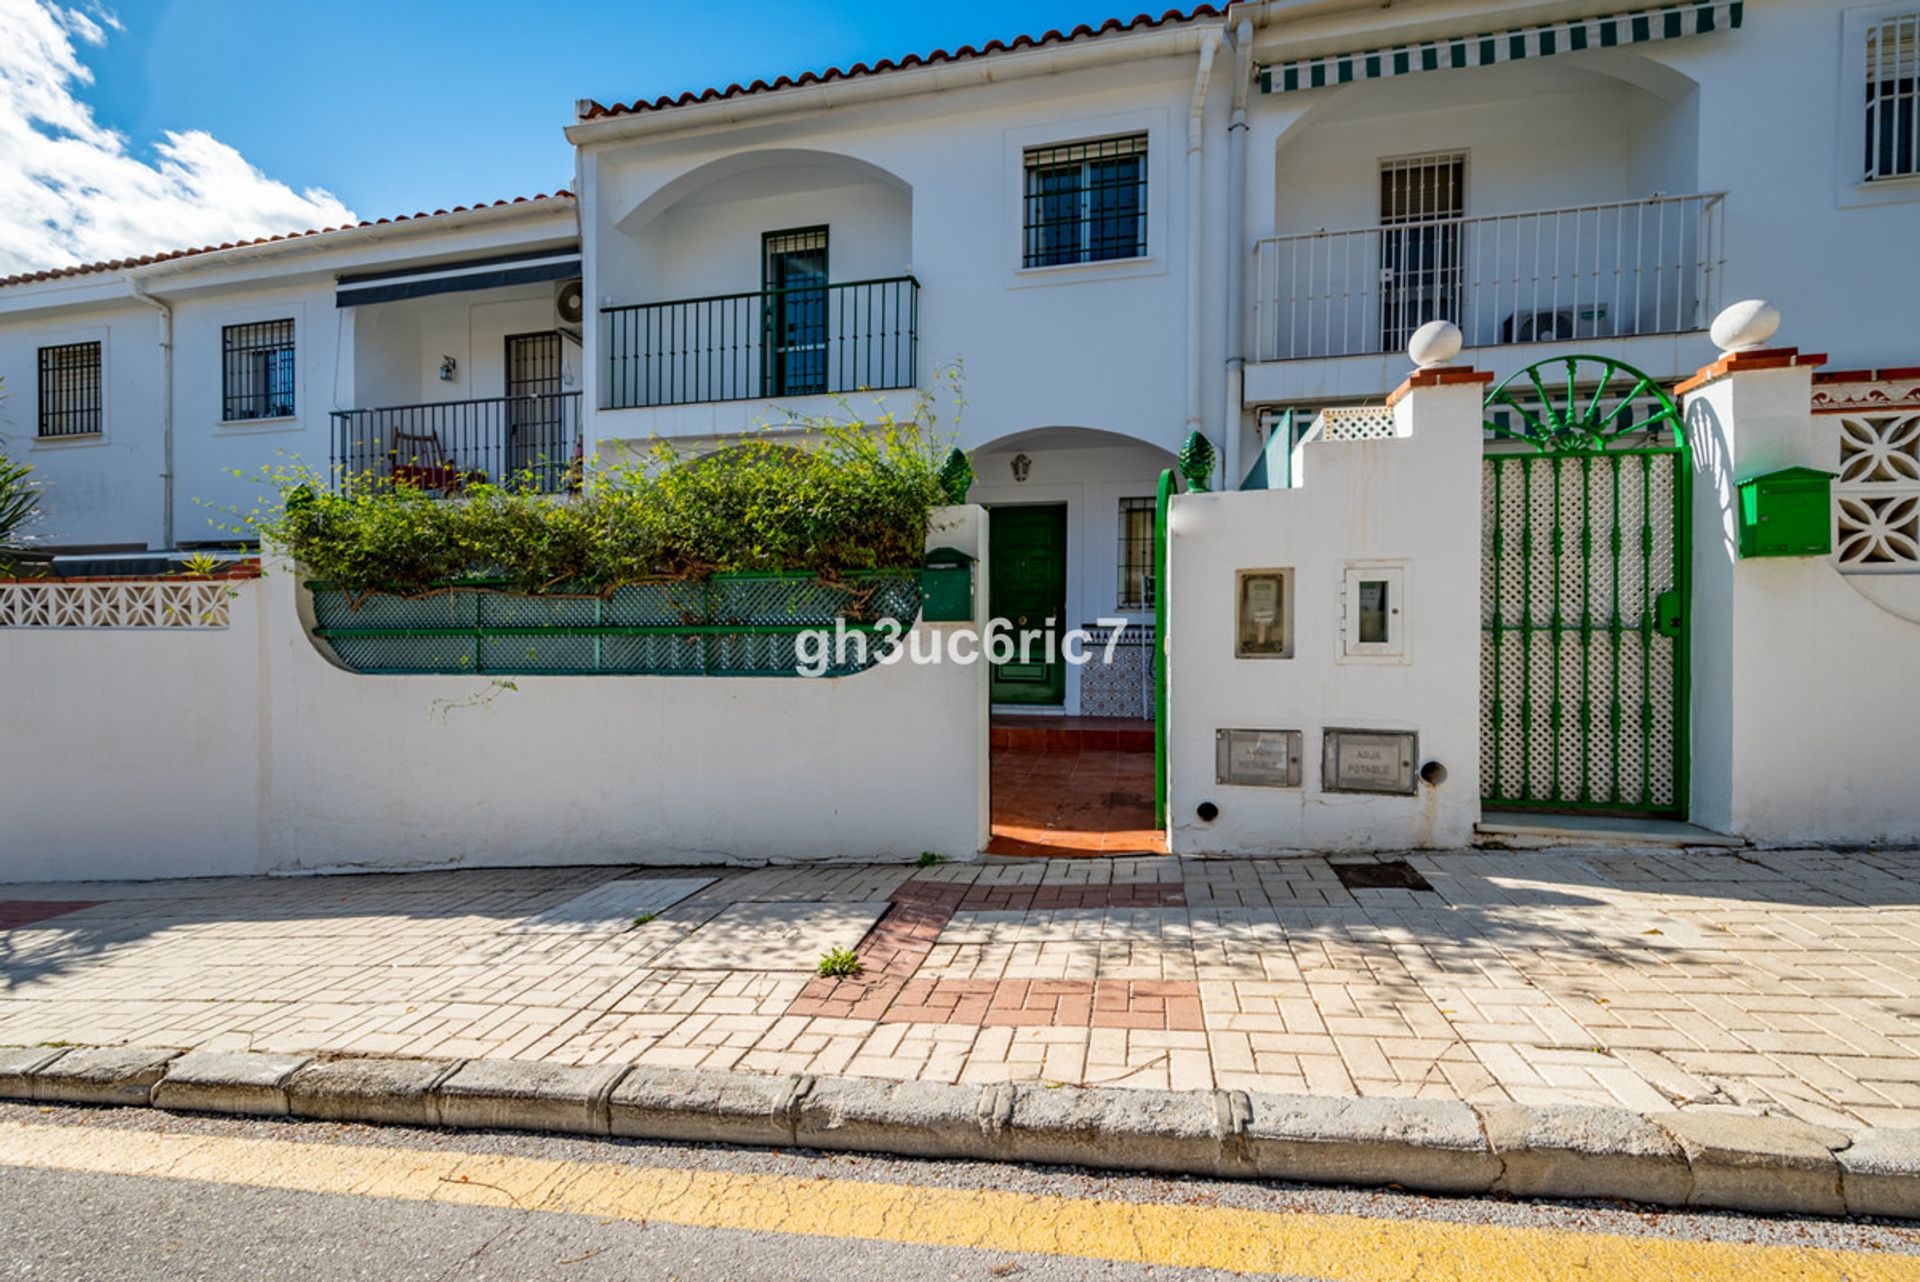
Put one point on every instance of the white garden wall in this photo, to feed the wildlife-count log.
(1412, 499)
(1806, 681)
(154, 753)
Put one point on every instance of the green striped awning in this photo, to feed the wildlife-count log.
(1609, 31)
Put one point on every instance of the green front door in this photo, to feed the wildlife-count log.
(1028, 571)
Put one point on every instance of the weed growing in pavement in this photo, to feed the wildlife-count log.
(929, 859)
(839, 963)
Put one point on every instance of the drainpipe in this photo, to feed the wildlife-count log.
(1236, 246)
(1196, 149)
(166, 406)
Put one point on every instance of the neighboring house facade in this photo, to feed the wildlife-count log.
(1222, 222)
(149, 394)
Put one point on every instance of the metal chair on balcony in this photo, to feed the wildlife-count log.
(419, 460)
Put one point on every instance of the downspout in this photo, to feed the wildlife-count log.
(166, 406)
(1196, 153)
(1236, 257)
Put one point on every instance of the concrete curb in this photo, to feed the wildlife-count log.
(1699, 1159)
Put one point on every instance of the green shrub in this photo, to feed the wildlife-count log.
(826, 496)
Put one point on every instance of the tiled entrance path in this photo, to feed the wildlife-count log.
(1073, 786)
(1782, 982)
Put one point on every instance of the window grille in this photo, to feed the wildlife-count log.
(69, 390)
(257, 371)
(1422, 199)
(1086, 202)
(1136, 554)
(1893, 98)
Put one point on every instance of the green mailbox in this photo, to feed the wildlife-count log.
(1787, 513)
(946, 587)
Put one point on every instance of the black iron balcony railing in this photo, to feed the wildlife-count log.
(800, 341)
(529, 441)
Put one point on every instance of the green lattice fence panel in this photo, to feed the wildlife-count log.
(728, 625)
(1583, 618)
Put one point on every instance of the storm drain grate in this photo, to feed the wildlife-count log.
(1391, 874)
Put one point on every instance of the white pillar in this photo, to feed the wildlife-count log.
(1803, 689)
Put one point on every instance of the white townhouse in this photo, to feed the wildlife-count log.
(1222, 222)
(138, 389)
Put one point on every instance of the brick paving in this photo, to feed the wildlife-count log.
(1779, 982)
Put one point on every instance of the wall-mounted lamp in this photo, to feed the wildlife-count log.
(447, 366)
(1021, 466)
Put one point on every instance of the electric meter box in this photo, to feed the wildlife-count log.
(1787, 513)
(946, 587)
(1263, 614)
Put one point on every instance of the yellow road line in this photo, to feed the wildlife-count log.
(1341, 1248)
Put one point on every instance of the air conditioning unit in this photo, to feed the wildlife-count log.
(1547, 326)
(569, 300)
(1554, 325)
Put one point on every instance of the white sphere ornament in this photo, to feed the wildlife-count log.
(1435, 343)
(1745, 325)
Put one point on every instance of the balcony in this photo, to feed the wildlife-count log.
(529, 441)
(805, 341)
(1587, 272)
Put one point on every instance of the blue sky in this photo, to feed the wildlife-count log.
(397, 105)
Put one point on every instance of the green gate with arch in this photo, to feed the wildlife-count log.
(1583, 701)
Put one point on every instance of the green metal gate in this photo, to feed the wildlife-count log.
(1583, 659)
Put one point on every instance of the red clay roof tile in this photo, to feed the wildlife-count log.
(600, 111)
(142, 260)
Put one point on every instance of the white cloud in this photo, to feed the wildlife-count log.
(72, 191)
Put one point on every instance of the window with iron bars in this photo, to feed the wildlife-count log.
(69, 390)
(1086, 202)
(1893, 98)
(1136, 554)
(256, 371)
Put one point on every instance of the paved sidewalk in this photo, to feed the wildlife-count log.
(1785, 983)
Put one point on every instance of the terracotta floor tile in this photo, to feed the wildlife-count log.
(1084, 800)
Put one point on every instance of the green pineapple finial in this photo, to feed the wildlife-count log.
(956, 476)
(1196, 462)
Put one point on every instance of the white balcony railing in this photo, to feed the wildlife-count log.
(1550, 275)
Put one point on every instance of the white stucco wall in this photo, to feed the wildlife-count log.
(1805, 688)
(398, 347)
(98, 490)
(108, 491)
(1770, 114)
(1413, 499)
(144, 754)
(932, 182)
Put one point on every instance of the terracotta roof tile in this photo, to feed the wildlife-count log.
(599, 111)
(121, 264)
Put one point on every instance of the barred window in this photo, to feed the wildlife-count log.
(1136, 554)
(1086, 202)
(69, 390)
(1893, 97)
(256, 371)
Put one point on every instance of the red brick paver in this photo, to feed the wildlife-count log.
(25, 912)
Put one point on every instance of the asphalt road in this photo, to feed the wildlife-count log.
(135, 1194)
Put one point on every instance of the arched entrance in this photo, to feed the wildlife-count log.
(1584, 593)
(1071, 532)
